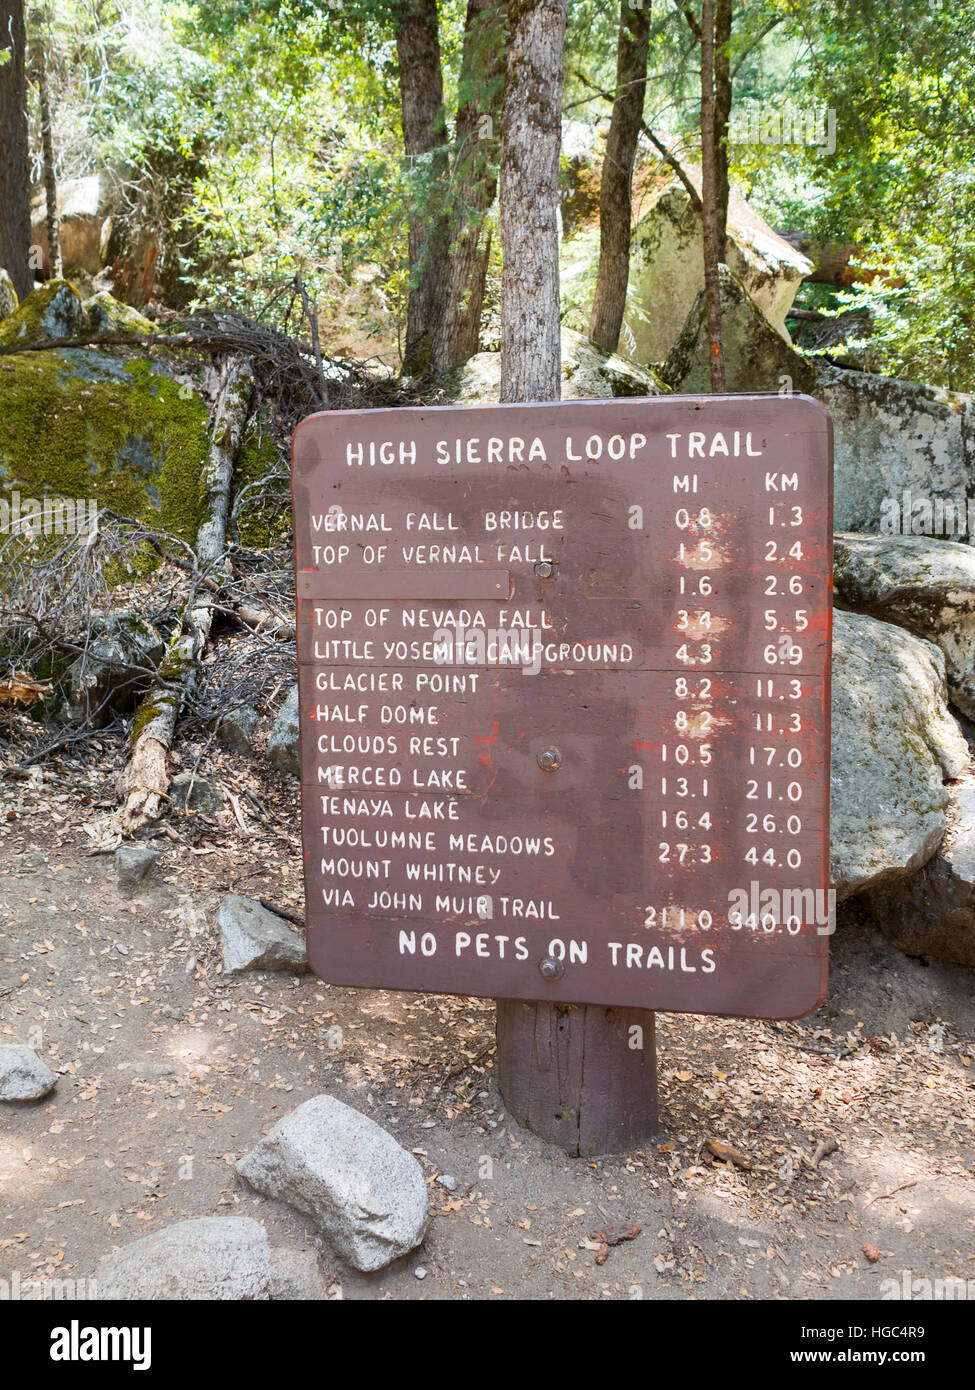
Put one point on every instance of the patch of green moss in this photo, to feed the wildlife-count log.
(258, 455)
(83, 424)
(147, 711)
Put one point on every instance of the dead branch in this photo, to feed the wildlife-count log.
(145, 782)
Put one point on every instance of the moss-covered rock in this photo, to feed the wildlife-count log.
(54, 311)
(8, 295)
(262, 515)
(107, 315)
(83, 424)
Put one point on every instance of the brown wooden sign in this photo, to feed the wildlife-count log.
(564, 694)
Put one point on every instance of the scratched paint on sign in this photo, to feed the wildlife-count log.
(564, 700)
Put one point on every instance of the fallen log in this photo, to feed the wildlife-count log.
(145, 781)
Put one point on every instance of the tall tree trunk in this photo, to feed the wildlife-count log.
(615, 189)
(473, 184)
(531, 129)
(722, 116)
(39, 74)
(709, 197)
(424, 133)
(14, 151)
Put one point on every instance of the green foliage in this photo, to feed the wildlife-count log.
(902, 180)
(268, 132)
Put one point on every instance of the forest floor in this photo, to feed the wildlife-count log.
(169, 1074)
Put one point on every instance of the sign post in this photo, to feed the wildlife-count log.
(564, 698)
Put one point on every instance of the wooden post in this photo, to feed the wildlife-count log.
(579, 1075)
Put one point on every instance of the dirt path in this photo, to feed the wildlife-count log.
(168, 1075)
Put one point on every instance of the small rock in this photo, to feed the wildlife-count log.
(296, 1276)
(282, 745)
(133, 864)
(254, 939)
(363, 1190)
(144, 1069)
(445, 1180)
(420, 1272)
(191, 793)
(222, 1258)
(23, 1076)
(235, 729)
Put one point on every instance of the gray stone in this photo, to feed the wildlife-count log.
(23, 1076)
(296, 1276)
(756, 357)
(894, 742)
(933, 912)
(588, 373)
(921, 583)
(450, 1183)
(217, 1258)
(365, 1193)
(282, 745)
(667, 271)
(897, 444)
(236, 728)
(191, 793)
(8, 295)
(254, 939)
(133, 864)
(122, 653)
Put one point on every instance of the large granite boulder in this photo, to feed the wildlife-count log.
(923, 584)
(903, 454)
(756, 358)
(894, 743)
(932, 913)
(667, 271)
(23, 1075)
(588, 373)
